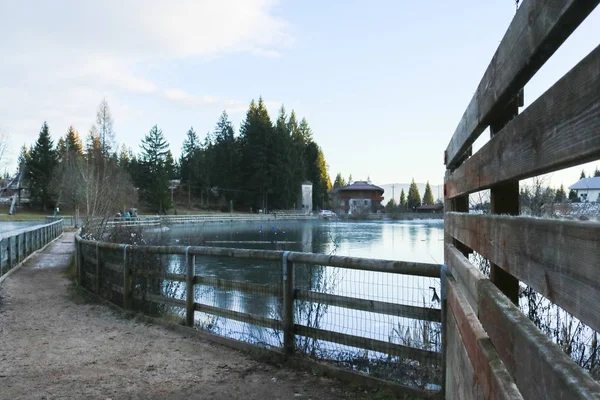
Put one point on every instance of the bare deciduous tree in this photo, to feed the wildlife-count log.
(104, 127)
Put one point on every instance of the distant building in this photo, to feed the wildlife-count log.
(587, 189)
(357, 198)
(305, 197)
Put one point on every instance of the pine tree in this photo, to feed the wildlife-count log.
(414, 198)
(597, 172)
(154, 159)
(403, 203)
(226, 157)
(41, 165)
(23, 157)
(339, 181)
(561, 195)
(391, 206)
(582, 176)
(573, 196)
(283, 190)
(256, 133)
(428, 196)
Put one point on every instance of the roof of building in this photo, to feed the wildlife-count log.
(360, 185)
(587, 183)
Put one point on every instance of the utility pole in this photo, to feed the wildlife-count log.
(393, 191)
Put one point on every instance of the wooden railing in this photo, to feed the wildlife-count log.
(17, 245)
(94, 264)
(492, 350)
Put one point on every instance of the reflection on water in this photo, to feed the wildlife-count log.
(419, 241)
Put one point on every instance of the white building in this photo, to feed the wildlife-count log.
(305, 198)
(587, 189)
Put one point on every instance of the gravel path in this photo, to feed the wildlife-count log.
(51, 347)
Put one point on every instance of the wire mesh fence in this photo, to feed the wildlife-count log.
(383, 324)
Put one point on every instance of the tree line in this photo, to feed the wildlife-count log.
(262, 167)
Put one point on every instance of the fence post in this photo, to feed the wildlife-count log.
(189, 287)
(80, 262)
(97, 270)
(504, 199)
(126, 281)
(1, 257)
(18, 248)
(9, 259)
(289, 334)
(445, 272)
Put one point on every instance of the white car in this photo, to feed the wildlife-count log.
(327, 214)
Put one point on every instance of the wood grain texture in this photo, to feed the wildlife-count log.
(537, 31)
(492, 375)
(559, 259)
(464, 272)
(540, 369)
(425, 356)
(380, 307)
(560, 129)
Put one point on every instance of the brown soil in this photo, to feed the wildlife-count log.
(52, 347)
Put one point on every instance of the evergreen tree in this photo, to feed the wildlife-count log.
(561, 195)
(573, 196)
(189, 159)
(154, 162)
(125, 157)
(41, 165)
(428, 196)
(226, 157)
(23, 157)
(403, 203)
(255, 136)
(70, 147)
(582, 176)
(596, 172)
(391, 206)
(414, 198)
(339, 181)
(317, 173)
(282, 190)
(349, 179)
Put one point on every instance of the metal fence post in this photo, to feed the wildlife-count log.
(126, 281)
(289, 336)
(18, 248)
(1, 257)
(189, 287)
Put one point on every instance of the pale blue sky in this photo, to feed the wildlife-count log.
(383, 84)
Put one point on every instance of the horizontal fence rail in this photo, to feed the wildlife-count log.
(17, 245)
(118, 271)
(492, 348)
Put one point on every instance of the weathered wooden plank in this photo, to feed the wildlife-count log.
(492, 375)
(425, 356)
(239, 316)
(559, 259)
(461, 379)
(560, 129)
(540, 369)
(368, 264)
(537, 31)
(246, 287)
(380, 307)
(155, 298)
(464, 272)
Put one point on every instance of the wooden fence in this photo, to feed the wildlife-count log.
(492, 349)
(95, 263)
(17, 245)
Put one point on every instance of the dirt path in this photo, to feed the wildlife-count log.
(53, 348)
